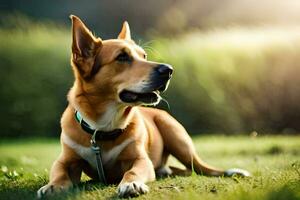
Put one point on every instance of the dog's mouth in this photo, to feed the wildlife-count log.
(149, 95)
(134, 97)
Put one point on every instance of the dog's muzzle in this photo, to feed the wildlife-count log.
(158, 82)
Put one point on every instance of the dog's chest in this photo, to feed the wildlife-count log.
(108, 157)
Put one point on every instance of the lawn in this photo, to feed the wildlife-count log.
(274, 162)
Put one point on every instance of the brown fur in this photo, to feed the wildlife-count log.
(155, 134)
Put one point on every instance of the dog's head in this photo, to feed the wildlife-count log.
(117, 69)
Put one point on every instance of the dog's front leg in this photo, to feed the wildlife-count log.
(59, 180)
(65, 172)
(133, 182)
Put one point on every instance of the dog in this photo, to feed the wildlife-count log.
(113, 80)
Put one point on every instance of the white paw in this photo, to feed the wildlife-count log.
(163, 172)
(236, 171)
(49, 189)
(134, 188)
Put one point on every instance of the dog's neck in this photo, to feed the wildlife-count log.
(102, 114)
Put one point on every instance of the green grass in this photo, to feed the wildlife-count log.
(273, 161)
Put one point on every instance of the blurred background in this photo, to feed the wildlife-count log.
(237, 63)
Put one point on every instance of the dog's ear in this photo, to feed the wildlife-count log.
(125, 32)
(85, 47)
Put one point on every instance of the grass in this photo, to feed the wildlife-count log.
(273, 161)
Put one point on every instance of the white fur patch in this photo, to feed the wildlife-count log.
(108, 157)
(85, 152)
(111, 119)
(138, 87)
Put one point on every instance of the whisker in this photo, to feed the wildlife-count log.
(140, 42)
(152, 50)
(146, 43)
(147, 46)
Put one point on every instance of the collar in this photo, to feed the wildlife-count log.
(100, 135)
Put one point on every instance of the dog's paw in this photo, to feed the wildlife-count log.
(49, 189)
(132, 189)
(163, 172)
(236, 171)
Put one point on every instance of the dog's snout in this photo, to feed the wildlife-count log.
(164, 70)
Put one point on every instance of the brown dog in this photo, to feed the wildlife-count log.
(112, 80)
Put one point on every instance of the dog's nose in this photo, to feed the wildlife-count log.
(164, 70)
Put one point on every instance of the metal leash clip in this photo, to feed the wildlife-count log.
(96, 149)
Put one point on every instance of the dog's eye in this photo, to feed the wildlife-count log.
(123, 57)
(145, 56)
